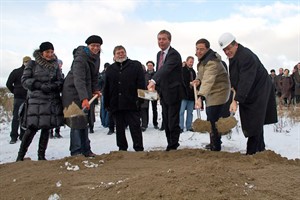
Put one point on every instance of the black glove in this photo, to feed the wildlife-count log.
(36, 85)
(46, 88)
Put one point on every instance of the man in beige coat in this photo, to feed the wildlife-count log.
(214, 86)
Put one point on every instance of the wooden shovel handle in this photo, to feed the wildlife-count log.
(93, 99)
(195, 92)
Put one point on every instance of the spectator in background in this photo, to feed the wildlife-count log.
(57, 129)
(296, 76)
(188, 101)
(43, 80)
(145, 111)
(80, 85)
(105, 116)
(15, 86)
(123, 78)
(278, 86)
(103, 113)
(273, 78)
(287, 84)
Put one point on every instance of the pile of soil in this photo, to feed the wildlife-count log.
(182, 174)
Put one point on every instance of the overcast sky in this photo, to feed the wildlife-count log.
(271, 29)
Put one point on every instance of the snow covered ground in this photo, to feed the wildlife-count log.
(282, 138)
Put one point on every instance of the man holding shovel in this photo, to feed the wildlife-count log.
(254, 92)
(215, 87)
(80, 85)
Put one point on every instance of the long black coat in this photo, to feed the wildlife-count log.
(169, 80)
(44, 108)
(121, 84)
(254, 91)
(82, 79)
(14, 83)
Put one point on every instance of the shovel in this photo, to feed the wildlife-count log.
(200, 125)
(76, 118)
(224, 125)
(148, 95)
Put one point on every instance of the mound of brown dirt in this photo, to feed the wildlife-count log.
(182, 174)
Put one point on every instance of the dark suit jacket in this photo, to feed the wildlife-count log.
(168, 78)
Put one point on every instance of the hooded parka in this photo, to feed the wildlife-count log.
(82, 79)
(44, 102)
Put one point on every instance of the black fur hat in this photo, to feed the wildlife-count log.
(45, 46)
(94, 39)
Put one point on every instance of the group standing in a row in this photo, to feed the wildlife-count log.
(174, 83)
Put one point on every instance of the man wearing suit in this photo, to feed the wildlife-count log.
(169, 84)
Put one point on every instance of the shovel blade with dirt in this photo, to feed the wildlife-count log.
(199, 125)
(75, 117)
(224, 125)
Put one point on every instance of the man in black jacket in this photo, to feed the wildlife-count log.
(254, 92)
(188, 101)
(15, 86)
(169, 83)
(145, 111)
(123, 78)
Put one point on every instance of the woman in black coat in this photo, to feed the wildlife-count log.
(43, 80)
(254, 92)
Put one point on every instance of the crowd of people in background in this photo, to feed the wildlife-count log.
(287, 85)
(41, 92)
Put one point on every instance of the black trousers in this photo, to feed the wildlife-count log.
(111, 125)
(171, 124)
(15, 124)
(132, 119)
(145, 114)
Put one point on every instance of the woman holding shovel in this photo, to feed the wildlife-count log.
(215, 87)
(80, 85)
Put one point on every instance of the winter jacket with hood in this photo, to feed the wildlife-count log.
(43, 80)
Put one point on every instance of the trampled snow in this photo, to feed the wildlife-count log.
(282, 138)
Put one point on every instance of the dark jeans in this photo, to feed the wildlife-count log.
(132, 118)
(80, 142)
(213, 114)
(104, 115)
(15, 124)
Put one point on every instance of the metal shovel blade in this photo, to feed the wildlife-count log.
(148, 95)
(77, 121)
(75, 117)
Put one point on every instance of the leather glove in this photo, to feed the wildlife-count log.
(46, 88)
(36, 85)
(98, 93)
(85, 104)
